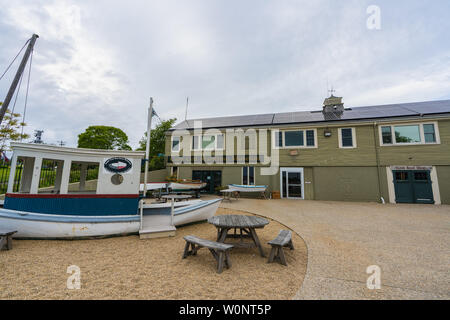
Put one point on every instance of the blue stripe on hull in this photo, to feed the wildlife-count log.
(75, 206)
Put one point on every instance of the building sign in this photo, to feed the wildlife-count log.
(118, 165)
(411, 167)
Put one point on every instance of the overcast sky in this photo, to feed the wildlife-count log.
(98, 62)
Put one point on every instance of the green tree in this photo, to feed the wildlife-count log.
(10, 129)
(157, 143)
(103, 137)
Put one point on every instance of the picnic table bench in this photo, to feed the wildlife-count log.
(6, 239)
(284, 239)
(217, 249)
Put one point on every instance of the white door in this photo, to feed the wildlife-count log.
(291, 183)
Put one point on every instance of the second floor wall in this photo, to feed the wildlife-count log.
(402, 142)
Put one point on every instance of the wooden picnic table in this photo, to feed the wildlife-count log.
(246, 226)
(6, 239)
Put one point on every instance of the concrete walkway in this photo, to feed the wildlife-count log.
(410, 243)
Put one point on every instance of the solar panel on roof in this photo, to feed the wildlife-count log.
(356, 113)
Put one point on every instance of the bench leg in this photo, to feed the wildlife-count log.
(9, 242)
(3, 243)
(186, 250)
(281, 256)
(221, 259)
(272, 254)
(191, 252)
(290, 245)
(227, 260)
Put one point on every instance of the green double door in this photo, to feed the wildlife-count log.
(413, 186)
(213, 179)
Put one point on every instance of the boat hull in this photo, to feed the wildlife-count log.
(243, 188)
(186, 186)
(51, 226)
(42, 226)
(187, 215)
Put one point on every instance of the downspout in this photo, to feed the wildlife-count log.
(377, 157)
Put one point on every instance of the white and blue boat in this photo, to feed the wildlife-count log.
(247, 188)
(109, 205)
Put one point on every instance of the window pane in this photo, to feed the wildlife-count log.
(176, 144)
(347, 138)
(407, 134)
(421, 176)
(293, 138)
(220, 141)
(195, 145)
(278, 139)
(251, 175)
(208, 142)
(428, 130)
(245, 175)
(401, 176)
(310, 138)
(387, 135)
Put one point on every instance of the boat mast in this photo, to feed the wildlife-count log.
(147, 148)
(18, 76)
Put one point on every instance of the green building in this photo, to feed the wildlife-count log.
(398, 153)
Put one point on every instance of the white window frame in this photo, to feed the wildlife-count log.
(353, 138)
(242, 176)
(179, 144)
(421, 132)
(200, 142)
(305, 146)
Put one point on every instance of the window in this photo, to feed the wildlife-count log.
(310, 141)
(347, 138)
(208, 142)
(387, 135)
(429, 134)
(420, 176)
(175, 144)
(248, 175)
(401, 176)
(279, 139)
(220, 141)
(295, 139)
(195, 143)
(409, 134)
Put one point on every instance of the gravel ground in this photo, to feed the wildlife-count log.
(129, 268)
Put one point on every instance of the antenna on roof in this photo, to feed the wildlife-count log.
(331, 91)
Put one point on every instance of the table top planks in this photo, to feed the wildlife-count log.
(238, 221)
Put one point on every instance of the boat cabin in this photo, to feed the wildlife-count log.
(60, 179)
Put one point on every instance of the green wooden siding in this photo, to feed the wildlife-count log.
(328, 152)
(346, 174)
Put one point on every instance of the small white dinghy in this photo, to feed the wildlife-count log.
(187, 185)
(246, 188)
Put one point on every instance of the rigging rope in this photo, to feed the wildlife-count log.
(14, 59)
(26, 95)
(11, 115)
